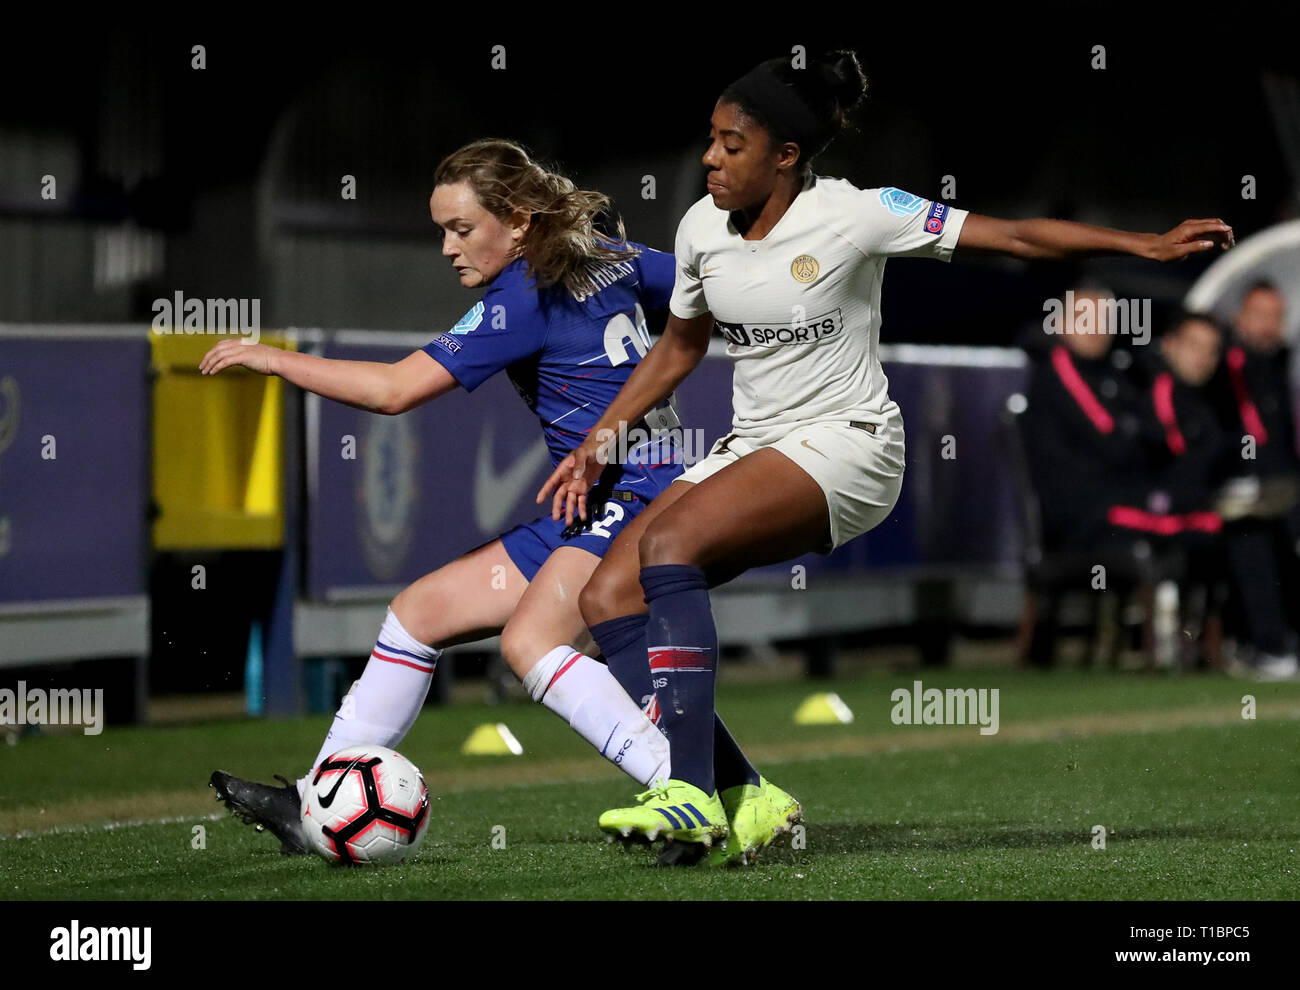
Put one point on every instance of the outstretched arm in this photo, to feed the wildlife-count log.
(1055, 239)
(370, 385)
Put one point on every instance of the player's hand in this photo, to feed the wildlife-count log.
(1191, 237)
(239, 353)
(572, 478)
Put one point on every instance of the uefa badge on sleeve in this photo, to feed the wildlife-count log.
(805, 268)
(935, 218)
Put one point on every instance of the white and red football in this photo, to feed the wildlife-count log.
(366, 804)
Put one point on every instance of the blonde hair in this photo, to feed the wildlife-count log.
(562, 245)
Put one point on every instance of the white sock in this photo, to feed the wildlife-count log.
(381, 707)
(585, 694)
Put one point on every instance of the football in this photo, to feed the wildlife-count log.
(366, 805)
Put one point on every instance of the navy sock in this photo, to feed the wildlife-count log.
(622, 643)
(682, 643)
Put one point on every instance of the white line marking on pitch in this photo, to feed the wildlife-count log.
(112, 826)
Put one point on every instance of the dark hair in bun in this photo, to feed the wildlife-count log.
(808, 106)
(845, 79)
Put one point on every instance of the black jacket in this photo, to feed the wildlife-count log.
(1189, 453)
(1252, 395)
(1083, 435)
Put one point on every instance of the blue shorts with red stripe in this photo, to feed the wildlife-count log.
(530, 544)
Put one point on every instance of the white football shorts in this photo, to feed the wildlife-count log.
(860, 472)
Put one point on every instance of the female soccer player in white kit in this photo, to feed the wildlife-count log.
(788, 266)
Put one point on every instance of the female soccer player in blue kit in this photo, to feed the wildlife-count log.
(788, 266)
(563, 315)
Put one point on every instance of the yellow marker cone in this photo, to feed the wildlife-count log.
(492, 739)
(823, 709)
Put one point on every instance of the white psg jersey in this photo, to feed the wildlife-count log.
(800, 309)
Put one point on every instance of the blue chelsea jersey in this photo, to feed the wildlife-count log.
(569, 356)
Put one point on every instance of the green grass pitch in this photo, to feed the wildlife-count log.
(1197, 802)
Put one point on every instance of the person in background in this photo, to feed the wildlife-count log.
(1113, 475)
(1253, 390)
(1082, 431)
(1252, 394)
(1189, 456)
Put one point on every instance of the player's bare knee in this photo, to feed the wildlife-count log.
(603, 596)
(519, 648)
(591, 601)
(665, 544)
(404, 606)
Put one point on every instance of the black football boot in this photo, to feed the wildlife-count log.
(265, 806)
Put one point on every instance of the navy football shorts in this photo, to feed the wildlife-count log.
(530, 544)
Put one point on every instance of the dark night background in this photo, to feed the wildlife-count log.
(225, 182)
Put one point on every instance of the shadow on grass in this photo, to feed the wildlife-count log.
(866, 837)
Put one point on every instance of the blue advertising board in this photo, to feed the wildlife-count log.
(74, 434)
